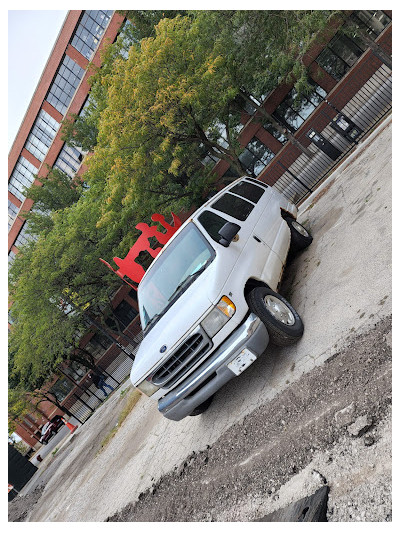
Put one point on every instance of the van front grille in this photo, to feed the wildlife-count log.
(190, 352)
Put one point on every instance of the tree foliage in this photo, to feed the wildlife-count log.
(171, 89)
(56, 191)
(265, 48)
(143, 23)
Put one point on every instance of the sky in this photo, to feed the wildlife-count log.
(31, 37)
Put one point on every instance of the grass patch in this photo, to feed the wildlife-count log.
(131, 401)
(54, 452)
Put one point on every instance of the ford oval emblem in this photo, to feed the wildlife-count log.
(163, 349)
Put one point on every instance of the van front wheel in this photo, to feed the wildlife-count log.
(283, 323)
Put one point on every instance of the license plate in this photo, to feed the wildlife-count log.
(242, 361)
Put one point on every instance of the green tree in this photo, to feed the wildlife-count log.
(264, 49)
(169, 104)
(56, 191)
(81, 130)
(143, 23)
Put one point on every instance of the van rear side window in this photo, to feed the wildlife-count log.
(248, 190)
(212, 223)
(234, 206)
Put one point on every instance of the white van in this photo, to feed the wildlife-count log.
(208, 302)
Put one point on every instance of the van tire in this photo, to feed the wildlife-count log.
(300, 237)
(283, 323)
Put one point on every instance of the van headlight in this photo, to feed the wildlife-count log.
(219, 316)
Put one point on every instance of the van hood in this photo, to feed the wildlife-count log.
(174, 326)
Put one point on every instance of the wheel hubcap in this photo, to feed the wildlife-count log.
(299, 228)
(279, 310)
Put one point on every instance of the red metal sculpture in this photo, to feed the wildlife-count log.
(127, 266)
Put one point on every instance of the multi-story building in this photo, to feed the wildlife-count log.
(351, 85)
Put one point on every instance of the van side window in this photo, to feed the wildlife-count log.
(212, 223)
(234, 206)
(259, 182)
(248, 190)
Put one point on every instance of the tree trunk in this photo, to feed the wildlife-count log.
(109, 337)
(57, 404)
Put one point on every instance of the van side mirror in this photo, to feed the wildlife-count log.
(227, 233)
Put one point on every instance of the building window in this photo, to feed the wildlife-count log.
(293, 111)
(42, 134)
(274, 132)
(373, 21)
(23, 236)
(133, 294)
(62, 388)
(97, 345)
(75, 370)
(255, 157)
(217, 133)
(21, 178)
(126, 38)
(89, 31)
(209, 159)
(64, 85)
(340, 55)
(125, 313)
(229, 175)
(12, 213)
(69, 160)
(344, 50)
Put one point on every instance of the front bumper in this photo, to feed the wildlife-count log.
(213, 373)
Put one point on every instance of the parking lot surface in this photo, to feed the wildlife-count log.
(340, 285)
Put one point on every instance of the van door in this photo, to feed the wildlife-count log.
(242, 204)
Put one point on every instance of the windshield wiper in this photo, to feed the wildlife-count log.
(175, 294)
(152, 319)
(183, 283)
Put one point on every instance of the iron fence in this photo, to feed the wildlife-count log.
(298, 177)
(84, 401)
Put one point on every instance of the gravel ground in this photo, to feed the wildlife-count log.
(19, 507)
(304, 438)
(333, 427)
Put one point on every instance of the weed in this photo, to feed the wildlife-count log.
(131, 401)
(54, 451)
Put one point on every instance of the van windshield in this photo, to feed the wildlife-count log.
(177, 267)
